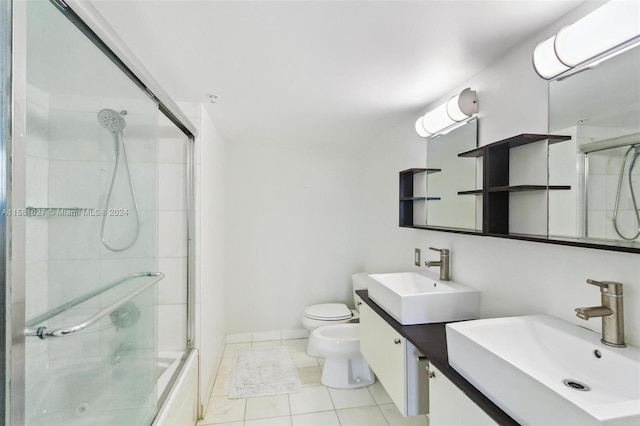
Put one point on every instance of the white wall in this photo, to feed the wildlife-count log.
(294, 217)
(210, 268)
(210, 252)
(515, 277)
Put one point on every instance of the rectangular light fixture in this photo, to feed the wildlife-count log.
(614, 25)
(457, 109)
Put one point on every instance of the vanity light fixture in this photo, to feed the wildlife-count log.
(455, 112)
(614, 25)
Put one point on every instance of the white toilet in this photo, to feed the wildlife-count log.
(336, 338)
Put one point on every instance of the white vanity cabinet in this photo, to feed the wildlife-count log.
(396, 362)
(449, 406)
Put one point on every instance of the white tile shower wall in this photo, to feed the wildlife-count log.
(172, 236)
(36, 228)
(515, 277)
(64, 276)
(172, 288)
(78, 160)
(172, 327)
(172, 233)
(602, 187)
(77, 142)
(37, 196)
(80, 167)
(172, 181)
(38, 131)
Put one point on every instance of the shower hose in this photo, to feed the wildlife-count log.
(118, 142)
(636, 153)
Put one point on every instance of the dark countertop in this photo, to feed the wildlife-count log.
(431, 340)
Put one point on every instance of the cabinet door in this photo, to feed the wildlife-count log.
(449, 406)
(384, 350)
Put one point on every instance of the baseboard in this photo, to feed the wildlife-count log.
(263, 336)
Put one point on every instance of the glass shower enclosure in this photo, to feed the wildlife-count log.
(83, 219)
(91, 233)
(5, 122)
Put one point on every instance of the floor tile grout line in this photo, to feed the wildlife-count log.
(383, 416)
(244, 416)
(290, 412)
(369, 390)
(333, 404)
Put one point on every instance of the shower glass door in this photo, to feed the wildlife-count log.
(91, 233)
(5, 101)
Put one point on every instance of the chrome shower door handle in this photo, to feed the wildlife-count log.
(43, 333)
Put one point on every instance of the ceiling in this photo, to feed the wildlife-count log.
(320, 71)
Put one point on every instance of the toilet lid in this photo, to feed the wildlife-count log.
(328, 312)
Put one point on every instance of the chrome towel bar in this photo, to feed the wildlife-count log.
(43, 333)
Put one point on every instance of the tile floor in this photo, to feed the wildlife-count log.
(314, 405)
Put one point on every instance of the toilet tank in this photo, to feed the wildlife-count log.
(359, 281)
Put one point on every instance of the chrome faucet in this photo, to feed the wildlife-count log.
(443, 263)
(611, 312)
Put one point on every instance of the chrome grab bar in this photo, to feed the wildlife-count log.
(42, 331)
(74, 302)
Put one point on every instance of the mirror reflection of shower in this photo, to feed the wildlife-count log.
(114, 122)
(634, 153)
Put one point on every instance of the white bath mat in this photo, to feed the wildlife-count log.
(263, 372)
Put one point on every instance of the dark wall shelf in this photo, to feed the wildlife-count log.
(407, 197)
(514, 142)
(495, 182)
(416, 171)
(419, 198)
(495, 159)
(495, 196)
(521, 188)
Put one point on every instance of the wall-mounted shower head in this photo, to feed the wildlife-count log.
(111, 120)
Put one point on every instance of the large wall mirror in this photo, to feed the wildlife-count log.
(450, 174)
(599, 107)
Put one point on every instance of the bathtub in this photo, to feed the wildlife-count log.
(168, 363)
(96, 392)
(180, 404)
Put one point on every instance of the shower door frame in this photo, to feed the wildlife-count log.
(13, 191)
(15, 162)
(5, 145)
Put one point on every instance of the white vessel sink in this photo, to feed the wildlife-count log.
(421, 298)
(523, 363)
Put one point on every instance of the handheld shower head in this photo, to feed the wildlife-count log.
(114, 122)
(111, 120)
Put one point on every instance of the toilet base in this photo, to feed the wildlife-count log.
(347, 373)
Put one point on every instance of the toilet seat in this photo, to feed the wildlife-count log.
(328, 312)
(336, 340)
